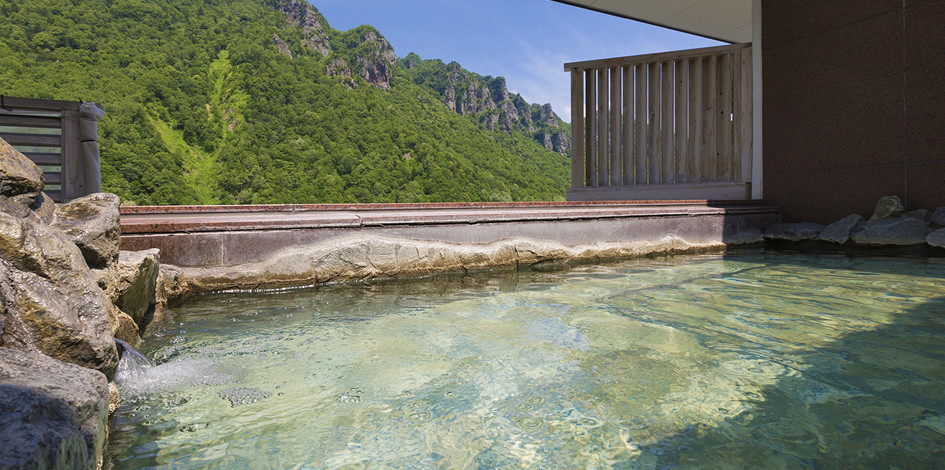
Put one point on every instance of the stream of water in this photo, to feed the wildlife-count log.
(753, 360)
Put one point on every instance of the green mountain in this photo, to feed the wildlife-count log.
(261, 101)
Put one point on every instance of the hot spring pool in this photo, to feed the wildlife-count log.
(759, 360)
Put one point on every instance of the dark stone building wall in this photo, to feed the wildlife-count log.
(854, 105)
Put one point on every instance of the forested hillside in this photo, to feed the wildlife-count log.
(261, 101)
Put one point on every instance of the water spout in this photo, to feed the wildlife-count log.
(132, 365)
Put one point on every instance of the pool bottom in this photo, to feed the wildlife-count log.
(753, 360)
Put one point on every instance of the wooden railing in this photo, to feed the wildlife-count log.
(674, 125)
(59, 136)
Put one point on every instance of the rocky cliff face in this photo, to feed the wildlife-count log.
(301, 13)
(488, 99)
(364, 50)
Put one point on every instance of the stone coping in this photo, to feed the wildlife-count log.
(134, 210)
(192, 219)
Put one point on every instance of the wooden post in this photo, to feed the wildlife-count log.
(627, 177)
(666, 138)
(590, 114)
(577, 129)
(696, 118)
(603, 136)
(711, 97)
(639, 126)
(615, 127)
(724, 115)
(73, 165)
(682, 120)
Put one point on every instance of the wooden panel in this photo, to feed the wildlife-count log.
(744, 126)
(47, 159)
(639, 126)
(696, 118)
(666, 137)
(20, 120)
(710, 105)
(682, 120)
(603, 136)
(590, 114)
(33, 140)
(616, 134)
(724, 114)
(53, 177)
(661, 56)
(628, 103)
(54, 194)
(577, 129)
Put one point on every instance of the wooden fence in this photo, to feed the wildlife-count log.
(59, 136)
(674, 125)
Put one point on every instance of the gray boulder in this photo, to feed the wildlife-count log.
(938, 217)
(840, 231)
(898, 231)
(887, 207)
(921, 214)
(936, 238)
(49, 300)
(18, 174)
(52, 414)
(92, 223)
(794, 232)
(131, 282)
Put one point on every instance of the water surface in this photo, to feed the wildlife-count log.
(758, 360)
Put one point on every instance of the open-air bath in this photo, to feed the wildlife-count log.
(756, 359)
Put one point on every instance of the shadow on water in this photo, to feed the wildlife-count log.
(869, 399)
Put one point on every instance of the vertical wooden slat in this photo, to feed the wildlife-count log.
(603, 137)
(682, 120)
(710, 104)
(73, 168)
(590, 114)
(745, 117)
(628, 140)
(639, 126)
(616, 134)
(696, 118)
(577, 129)
(666, 139)
(724, 115)
(653, 123)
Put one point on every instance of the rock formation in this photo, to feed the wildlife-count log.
(57, 324)
(488, 99)
(301, 13)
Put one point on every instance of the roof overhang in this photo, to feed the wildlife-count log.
(724, 20)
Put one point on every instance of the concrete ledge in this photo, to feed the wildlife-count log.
(208, 236)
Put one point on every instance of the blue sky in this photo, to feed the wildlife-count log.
(525, 41)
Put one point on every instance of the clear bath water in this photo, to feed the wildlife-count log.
(755, 360)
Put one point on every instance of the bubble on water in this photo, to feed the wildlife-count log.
(589, 422)
(352, 396)
(528, 422)
(535, 400)
(243, 395)
(420, 416)
(190, 428)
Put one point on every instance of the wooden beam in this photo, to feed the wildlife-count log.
(661, 56)
(590, 114)
(12, 102)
